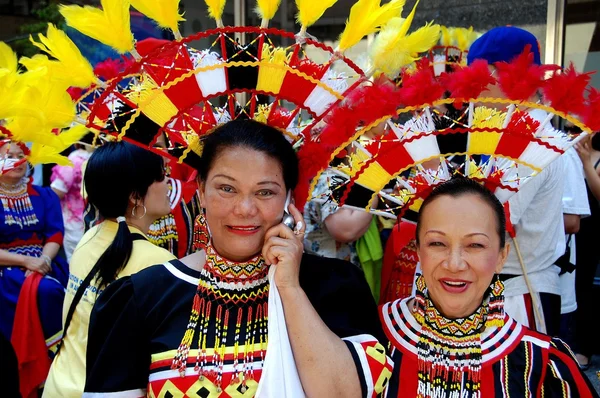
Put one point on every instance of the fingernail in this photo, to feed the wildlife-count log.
(299, 226)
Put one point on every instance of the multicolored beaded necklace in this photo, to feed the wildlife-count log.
(163, 232)
(227, 289)
(17, 204)
(449, 350)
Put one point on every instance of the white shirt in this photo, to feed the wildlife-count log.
(536, 212)
(574, 201)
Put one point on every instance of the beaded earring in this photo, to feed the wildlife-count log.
(420, 298)
(201, 232)
(495, 316)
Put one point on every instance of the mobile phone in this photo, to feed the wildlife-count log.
(288, 219)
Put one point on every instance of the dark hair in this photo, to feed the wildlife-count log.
(114, 172)
(252, 135)
(461, 186)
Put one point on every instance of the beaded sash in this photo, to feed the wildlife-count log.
(227, 290)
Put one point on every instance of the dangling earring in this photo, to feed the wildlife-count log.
(201, 232)
(420, 299)
(133, 212)
(495, 316)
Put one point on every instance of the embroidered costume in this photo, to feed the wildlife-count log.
(512, 359)
(228, 348)
(30, 219)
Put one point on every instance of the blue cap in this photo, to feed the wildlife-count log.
(504, 43)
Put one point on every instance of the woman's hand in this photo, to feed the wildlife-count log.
(284, 248)
(584, 150)
(36, 264)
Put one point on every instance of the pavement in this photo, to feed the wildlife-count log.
(592, 372)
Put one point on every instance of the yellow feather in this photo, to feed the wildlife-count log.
(465, 37)
(215, 8)
(70, 59)
(164, 12)
(8, 58)
(266, 9)
(393, 49)
(110, 26)
(366, 17)
(446, 39)
(309, 11)
(71, 136)
(46, 154)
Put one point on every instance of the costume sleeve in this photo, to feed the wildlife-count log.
(341, 296)
(118, 356)
(564, 378)
(575, 200)
(62, 178)
(54, 227)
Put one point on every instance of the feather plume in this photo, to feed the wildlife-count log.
(591, 116)
(309, 11)
(164, 12)
(58, 45)
(393, 49)
(266, 9)
(521, 78)
(464, 37)
(46, 154)
(366, 17)
(71, 136)
(215, 9)
(8, 58)
(110, 26)
(468, 82)
(446, 37)
(420, 87)
(565, 91)
(55, 71)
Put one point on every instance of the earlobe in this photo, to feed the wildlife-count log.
(503, 256)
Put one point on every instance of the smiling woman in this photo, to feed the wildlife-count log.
(453, 337)
(270, 321)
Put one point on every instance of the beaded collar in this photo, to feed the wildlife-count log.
(227, 291)
(17, 205)
(449, 350)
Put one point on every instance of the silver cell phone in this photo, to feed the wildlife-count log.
(288, 219)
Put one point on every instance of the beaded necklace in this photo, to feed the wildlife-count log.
(449, 350)
(227, 289)
(17, 204)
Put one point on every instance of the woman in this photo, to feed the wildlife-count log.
(31, 233)
(453, 338)
(127, 185)
(587, 255)
(145, 340)
(66, 183)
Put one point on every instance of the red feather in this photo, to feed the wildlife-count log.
(111, 68)
(522, 78)
(565, 91)
(420, 87)
(468, 82)
(280, 117)
(591, 115)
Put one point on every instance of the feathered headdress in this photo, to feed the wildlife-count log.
(35, 106)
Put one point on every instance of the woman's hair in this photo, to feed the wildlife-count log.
(252, 135)
(461, 186)
(114, 172)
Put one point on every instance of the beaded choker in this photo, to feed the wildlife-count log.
(230, 296)
(449, 350)
(17, 204)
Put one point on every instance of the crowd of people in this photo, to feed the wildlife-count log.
(158, 263)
